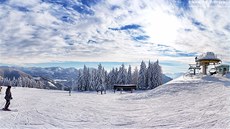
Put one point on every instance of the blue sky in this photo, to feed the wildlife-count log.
(70, 33)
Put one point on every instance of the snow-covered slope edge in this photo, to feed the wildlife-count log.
(185, 84)
(198, 102)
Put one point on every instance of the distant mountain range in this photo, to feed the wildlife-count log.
(8, 72)
(166, 78)
(51, 72)
(174, 75)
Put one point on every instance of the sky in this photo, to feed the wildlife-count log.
(71, 33)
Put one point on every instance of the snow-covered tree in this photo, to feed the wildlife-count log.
(27, 82)
(135, 76)
(116, 76)
(40, 84)
(148, 75)
(154, 77)
(14, 82)
(6, 81)
(141, 77)
(80, 81)
(106, 80)
(150, 78)
(85, 78)
(100, 81)
(93, 79)
(109, 79)
(158, 74)
(19, 83)
(129, 75)
(112, 77)
(122, 75)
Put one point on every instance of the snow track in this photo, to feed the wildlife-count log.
(182, 103)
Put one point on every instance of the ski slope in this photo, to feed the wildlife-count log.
(198, 102)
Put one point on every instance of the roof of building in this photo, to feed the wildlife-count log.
(208, 56)
(125, 85)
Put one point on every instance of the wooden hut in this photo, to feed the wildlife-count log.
(125, 87)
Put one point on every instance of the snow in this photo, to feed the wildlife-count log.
(197, 102)
(208, 55)
(51, 85)
(60, 80)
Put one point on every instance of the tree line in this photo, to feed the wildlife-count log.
(22, 82)
(148, 77)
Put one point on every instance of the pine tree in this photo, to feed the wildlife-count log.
(86, 78)
(158, 75)
(147, 75)
(6, 81)
(104, 74)
(135, 76)
(40, 84)
(122, 75)
(100, 80)
(150, 78)
(19, 84)
(116, 76)
(14, 82)
(112, 78)
(129, 75)
(154, 75)
(141, 77)
(80, 81)
(93, 78)
(106, 80)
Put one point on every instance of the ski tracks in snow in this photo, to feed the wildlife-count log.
(190, 103)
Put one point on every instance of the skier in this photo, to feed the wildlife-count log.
(0, 89)
(69, 91)
(8, 97)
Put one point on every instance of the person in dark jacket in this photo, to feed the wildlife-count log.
(8, 97)
(70, 91)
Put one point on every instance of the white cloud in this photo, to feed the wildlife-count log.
(39, 35)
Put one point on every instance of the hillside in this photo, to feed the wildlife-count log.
(51, 72)
(8, 72)
(201, 102)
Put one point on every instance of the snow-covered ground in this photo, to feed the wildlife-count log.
(183, 103)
